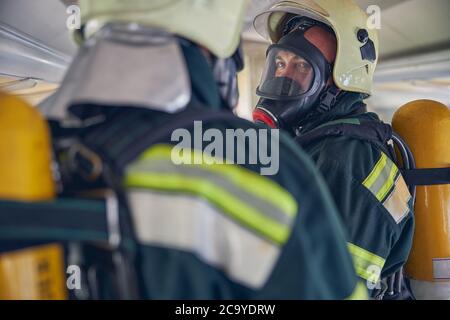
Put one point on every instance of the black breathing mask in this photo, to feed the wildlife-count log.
(294, 79)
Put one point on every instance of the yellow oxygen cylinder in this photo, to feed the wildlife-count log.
(33, 273)
(25, 152)
(425, 126)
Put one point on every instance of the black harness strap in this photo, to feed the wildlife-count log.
(147, 135)
(375, 133)
(378, 134)
(427, 177)
(59, 220)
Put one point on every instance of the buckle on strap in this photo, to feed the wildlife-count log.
(328, 99)
(85, 161)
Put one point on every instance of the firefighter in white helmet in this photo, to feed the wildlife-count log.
(319, 69)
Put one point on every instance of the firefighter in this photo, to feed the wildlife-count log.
(146, 77)
(319, 69)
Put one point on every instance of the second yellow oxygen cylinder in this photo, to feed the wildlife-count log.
(25, 152)
(425, 126)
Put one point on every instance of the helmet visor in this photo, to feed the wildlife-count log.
(287, 75)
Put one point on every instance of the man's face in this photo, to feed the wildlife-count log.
(288, 64)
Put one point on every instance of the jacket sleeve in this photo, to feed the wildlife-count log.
(375, 206)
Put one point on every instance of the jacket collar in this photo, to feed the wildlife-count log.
(349, 104)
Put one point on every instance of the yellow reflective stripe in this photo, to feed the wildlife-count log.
(364, 271)
(230, 204)
(381, 179)
(363, 260)
(247, 180)
(359, 293)
(388, 184)
(372, 177)
(366, 255)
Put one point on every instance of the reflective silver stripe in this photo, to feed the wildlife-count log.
(163, 166)
(156, 170)
(190, 224)
(382, 178)
(388, 186)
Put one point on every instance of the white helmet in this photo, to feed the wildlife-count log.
(214, 24)
(357, 44)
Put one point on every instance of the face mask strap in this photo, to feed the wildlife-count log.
(225, 72)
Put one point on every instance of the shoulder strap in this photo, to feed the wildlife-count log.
(376, 133)
(145, 135)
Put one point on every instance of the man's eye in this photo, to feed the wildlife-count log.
(280, 65)
(303, 66)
